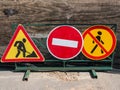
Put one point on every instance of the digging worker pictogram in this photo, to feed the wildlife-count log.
(98, 37)
(20, 47)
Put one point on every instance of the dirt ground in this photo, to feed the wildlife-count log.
(60, 81)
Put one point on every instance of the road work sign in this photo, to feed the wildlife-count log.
(21, 48)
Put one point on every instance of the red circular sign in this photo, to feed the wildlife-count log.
(99, 42)
(65, 42)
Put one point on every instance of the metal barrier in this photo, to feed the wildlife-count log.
(79, 63)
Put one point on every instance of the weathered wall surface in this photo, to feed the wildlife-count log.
(57, 11)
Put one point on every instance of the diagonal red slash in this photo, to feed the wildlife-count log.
(97, 42)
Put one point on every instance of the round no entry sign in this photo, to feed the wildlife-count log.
(64, 42)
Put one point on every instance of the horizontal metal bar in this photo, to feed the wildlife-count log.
(15, 24)
(63, 68)
(63, 24)
(78, 60)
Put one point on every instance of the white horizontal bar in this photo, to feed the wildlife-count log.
(65, 43)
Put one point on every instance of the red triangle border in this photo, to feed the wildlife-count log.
(40, 59)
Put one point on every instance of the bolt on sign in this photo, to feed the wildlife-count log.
(99, 42)
(65, 42)
(21, 48)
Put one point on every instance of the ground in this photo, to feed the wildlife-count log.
(60, 81)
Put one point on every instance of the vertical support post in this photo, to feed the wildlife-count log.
(15, 66)
(64, 64)
(93, 74)
(26, 75)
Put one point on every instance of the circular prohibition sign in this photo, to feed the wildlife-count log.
(99, 42)
(65, 42)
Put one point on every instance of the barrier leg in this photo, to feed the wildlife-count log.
(93, 74)
(26, 75)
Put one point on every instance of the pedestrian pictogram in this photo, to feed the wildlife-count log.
(98, 37)
(21, 48)
(64, 42)
(99, 42)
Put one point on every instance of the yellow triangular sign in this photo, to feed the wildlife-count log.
(21, 48)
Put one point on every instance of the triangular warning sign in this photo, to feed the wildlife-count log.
(21, 48)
